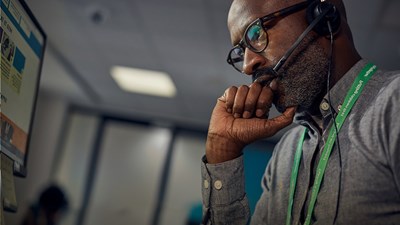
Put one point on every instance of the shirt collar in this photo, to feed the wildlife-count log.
(339, 91)
(337, 94)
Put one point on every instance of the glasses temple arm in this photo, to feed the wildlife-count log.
(286, 11)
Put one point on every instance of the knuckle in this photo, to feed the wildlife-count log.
(243, 88)
(232, 88)
(230, 91)
(267, 90)
(256, 86)
(262, 102)
(237, 108)
(250, 102)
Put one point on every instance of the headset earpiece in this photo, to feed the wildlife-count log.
(315, 9)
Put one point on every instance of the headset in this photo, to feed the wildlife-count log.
(322, 17)
(331, 18)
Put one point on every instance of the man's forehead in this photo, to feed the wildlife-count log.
(260, 5)
(247, 10)
(243, 12)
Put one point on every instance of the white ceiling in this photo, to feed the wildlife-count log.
(186, 38)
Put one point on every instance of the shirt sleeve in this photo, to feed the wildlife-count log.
(223, 192)
(392, 126)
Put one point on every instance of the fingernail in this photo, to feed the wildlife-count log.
(274, 85)
(290, 111)
(229, 110)
(237, 115)
(293, 109)
(246, 115)
(259, 113)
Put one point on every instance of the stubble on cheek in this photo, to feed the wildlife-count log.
(303, 79)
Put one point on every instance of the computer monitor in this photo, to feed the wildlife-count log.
(22, 48)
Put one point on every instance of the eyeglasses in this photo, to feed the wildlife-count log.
(255, 37)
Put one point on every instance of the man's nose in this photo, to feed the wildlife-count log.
(252, 61)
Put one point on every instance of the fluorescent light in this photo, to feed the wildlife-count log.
(143, 81)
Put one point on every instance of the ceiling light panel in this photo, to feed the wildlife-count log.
(142, 81)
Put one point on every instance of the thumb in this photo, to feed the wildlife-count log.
(272, 126)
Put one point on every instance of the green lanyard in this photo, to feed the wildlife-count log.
(351, 97)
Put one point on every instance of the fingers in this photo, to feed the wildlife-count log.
(241, 131)
(264, 102)
(251, 100)
(240, 100)
(250, 130)
(229, 98)
(248, 101)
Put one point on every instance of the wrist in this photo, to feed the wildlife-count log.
(220, 149)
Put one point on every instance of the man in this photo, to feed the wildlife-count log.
(320, 172)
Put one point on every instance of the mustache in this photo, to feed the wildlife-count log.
(264, 76)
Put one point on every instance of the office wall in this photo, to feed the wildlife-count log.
(184, 183)
(118, 172)
(138, 168)
(72, 163)
(128, 173)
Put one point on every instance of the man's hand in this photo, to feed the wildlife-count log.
(240, 117)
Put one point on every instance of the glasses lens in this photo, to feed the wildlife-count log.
(236, 57)
(256, 37)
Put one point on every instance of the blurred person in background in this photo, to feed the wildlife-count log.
(50, 208)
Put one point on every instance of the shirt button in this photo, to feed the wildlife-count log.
(324, 106)
(218, 185)
(206, 184)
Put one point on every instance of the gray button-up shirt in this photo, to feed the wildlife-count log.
(362, 179)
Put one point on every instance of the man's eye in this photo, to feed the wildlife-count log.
(253, 33)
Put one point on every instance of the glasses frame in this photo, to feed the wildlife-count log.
(242, 45)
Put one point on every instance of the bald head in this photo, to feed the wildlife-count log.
(242, 12)
(243, 5)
